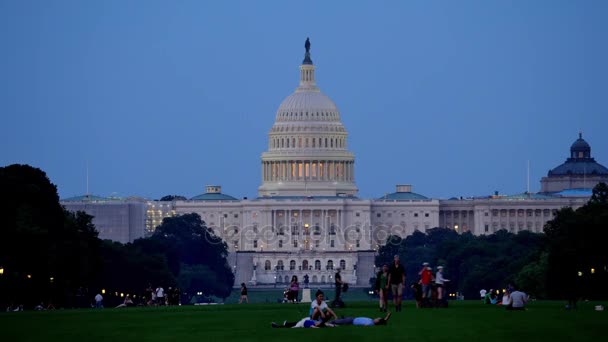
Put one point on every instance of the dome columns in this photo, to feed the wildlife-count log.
(308, 170)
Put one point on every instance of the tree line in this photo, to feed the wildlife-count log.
(51, 255)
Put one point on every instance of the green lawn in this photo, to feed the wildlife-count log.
(463, 321)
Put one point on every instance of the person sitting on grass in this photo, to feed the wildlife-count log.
(319, 310)
(128, 302)
(517, 300)
(361, 321)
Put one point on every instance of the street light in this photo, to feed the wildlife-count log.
(1, 270)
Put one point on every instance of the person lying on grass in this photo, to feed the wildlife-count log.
(306, 322)
(361, 321)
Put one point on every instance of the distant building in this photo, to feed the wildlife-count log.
(579, 171)
(121, 220)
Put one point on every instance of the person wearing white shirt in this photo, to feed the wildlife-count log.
(319, 310)
(439, 281)
(98, 301)
(482, 294)
(160, 295)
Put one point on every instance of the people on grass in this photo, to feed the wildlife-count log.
(319, 310)
(243, 294)
(396, 279)
(382, 287)
(294, 288)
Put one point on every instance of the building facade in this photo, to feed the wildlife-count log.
(307, 219)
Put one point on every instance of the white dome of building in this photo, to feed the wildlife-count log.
(313, 101)
(307, 153)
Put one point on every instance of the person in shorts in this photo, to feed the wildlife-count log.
(396, 279)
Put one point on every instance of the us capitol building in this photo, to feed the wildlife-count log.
(307, 218)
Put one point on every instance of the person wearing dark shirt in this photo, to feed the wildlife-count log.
(338, 279)
(381, 287)
(396, 279)
(244, 294)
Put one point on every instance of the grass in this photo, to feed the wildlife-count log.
(463, 321)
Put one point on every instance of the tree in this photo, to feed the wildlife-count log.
(169, 198)
(187, 243)
(576, 245)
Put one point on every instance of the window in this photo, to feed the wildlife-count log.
(280, 243)
(295, 243)
(317, 229)
(236, 215)
(331, 243)
(358, 244)
(317, 243)
(426, 214)
(487, 228)
(280, 265)
(281, 230)
(292, 265)
(267, 265)
(225, 215)
(255, 243)
(342, 264)
(415, 214)
(378, 215)
(357, 214)
(332, 229)
(330, 264)
(485, 214)
(318, 265)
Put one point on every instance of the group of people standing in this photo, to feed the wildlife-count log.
(428, 291)
(159, 297)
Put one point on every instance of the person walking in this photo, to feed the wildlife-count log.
(160, 295)
(396, 279)
(244, 294)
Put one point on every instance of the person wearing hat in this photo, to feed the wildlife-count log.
(396, 280)
(426, 279)
(439, 281)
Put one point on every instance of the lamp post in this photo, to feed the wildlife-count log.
(1, 270)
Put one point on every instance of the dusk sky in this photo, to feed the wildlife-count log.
(163, 97)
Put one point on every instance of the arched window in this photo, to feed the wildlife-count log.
(305, 265)
(342, 264)
(314, 279)
(330, 264)
(280, 265)
(292, 265)
(318, 265)
(322, 279)
(267, 265)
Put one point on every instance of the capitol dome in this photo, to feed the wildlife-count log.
(307, 153)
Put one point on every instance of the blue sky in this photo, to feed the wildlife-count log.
(163, 97)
